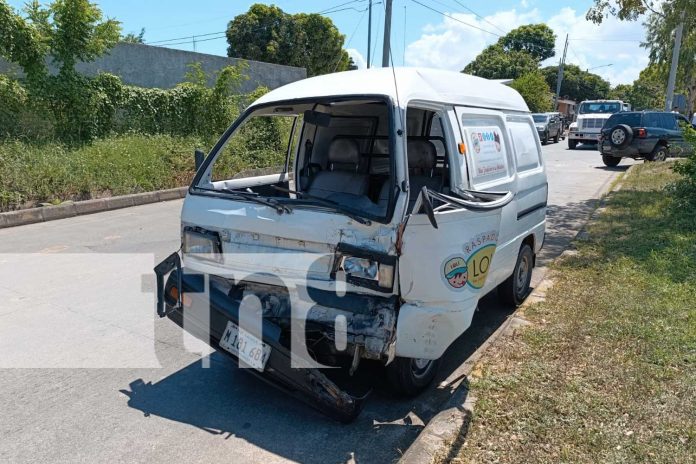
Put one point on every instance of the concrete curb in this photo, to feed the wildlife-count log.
(457, 412)
(79, 208)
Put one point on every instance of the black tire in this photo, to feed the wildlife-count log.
(409, 377)
(557, 137)
(572, 144)
(515, 288)
(545, 140)
(611, 161)
(658, 154)
(621, 136)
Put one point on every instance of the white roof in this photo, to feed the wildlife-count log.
(413, 84)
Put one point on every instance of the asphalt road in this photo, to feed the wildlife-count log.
(73, 296)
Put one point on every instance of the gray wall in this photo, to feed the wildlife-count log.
(148, 66)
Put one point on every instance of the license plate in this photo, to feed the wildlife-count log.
(250, 350)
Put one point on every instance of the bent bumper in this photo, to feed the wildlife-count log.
(206, 317)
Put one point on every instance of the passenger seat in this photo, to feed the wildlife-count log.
(342, 176)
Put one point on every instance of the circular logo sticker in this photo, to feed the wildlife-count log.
(479, 264)
(456, 272)
(475, 142)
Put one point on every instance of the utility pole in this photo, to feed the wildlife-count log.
(675, 63)
(387, 33)
(559, 79)
(369, 32)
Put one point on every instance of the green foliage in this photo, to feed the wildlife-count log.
(51, 172)
(577, 84)
(132, 37)
(517, 53)
(685, 187)
(267, 33)
(495, 63)
(538, 40)
(535, 91)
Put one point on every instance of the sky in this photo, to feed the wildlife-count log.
(443, 34)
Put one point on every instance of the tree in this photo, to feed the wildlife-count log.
(132, 37)
(536, 39)
(648, 90)
(517, 53)
(663, 18)
(495, 63)
(621, 92)
(535, 91)
(267, 33)
(577, 84)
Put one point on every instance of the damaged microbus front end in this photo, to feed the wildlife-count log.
(334, 223)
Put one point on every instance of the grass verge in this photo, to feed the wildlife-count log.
(607, 370)
(53, 172)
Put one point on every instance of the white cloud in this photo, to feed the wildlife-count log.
(452, 45)
(358, 58)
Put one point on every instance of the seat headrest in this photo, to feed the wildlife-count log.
(421, 154)
(344, 151)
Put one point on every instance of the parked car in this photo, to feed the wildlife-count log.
(396, 199)
(649, 135)
(548, 127)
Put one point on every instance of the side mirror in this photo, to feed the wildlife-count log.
(199, 156)
(427, 206)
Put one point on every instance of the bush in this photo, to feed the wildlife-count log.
(685, 187)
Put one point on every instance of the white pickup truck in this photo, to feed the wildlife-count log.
(592, 114)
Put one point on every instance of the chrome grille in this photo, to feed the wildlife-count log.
(592, 123)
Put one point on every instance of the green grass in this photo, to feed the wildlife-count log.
(31, 174)
(607, 370)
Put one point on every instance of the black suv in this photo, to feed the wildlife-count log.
(651, 135)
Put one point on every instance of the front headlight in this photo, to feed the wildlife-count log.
(202, 244)
(375, 272)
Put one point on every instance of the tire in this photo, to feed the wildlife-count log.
(621, 136)
(557, 137)
(572, 144)
(610, 161)
(515, 288)
(545, 140)
(658, 154)
(409, 377)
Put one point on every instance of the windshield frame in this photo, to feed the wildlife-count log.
(194, 188)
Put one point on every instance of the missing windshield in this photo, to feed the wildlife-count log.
(331, 155)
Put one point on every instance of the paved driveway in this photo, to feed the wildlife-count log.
(183, 412)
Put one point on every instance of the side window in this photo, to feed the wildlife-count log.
(524, 143)
(651, 120)
(669, 121)
(484, 137)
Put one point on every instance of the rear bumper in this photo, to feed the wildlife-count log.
(205, 316)
(634, 150)
(587, 137)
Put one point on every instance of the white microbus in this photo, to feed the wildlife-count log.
(383, 204)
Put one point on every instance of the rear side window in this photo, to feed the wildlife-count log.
(523, 136)
(630, 119)
(668, 121)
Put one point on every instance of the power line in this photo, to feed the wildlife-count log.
(455, 19)
(187, 37)
(350, 39)
(338, 6)
(479, 16)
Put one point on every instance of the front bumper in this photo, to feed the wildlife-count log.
(580, 136)
(206, 318)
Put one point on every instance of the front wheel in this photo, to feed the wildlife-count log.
(516, 287)
(557, 137)
(611, 161)
(572, 144)
(409, 376)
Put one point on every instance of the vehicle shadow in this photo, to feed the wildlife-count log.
(226, 401)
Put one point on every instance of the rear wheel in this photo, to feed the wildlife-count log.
(611, 161)
(572, 144)
(557, 137)
(516, 287)
(659, 154)
(409, 376)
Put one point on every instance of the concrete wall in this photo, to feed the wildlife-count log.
(148, 66)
